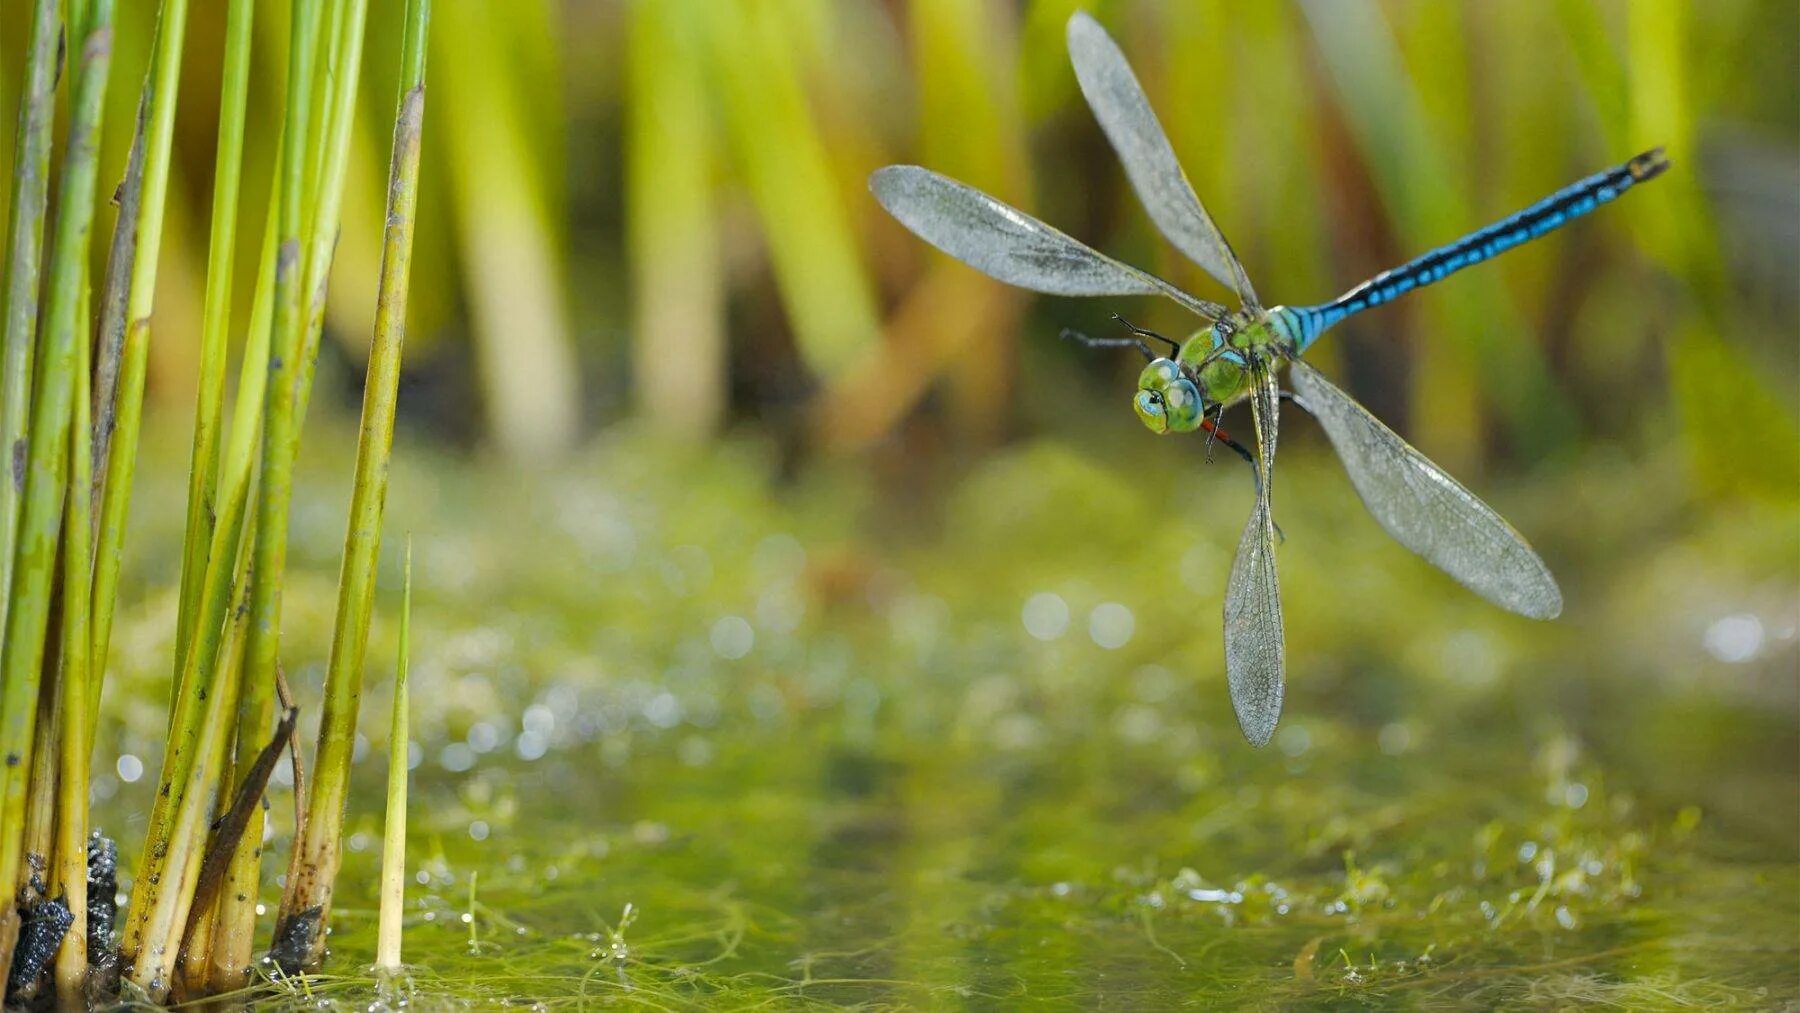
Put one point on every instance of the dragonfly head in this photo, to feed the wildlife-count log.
(1166, 400)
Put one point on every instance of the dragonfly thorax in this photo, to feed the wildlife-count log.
(1213, 366)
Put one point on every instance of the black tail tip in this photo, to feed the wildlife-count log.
(1648, 165)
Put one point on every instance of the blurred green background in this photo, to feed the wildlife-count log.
(795, 585)
(658, 209)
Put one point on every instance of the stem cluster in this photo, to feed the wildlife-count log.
(71, 406)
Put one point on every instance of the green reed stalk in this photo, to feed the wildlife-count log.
(679, 353)
(286, 341)
(333, 147)
(215, 595)
(46, 460)
(153, 877)
(393, 843)
(68, 873)
(333, 97)
(235, 917)
(121, 416)
(24, 252)
(306, 902)
(154, 969)
(209, 406)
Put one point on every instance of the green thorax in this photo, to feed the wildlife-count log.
(1219, 355)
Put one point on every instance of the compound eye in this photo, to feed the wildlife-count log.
(1151, 410)
(1183, 406)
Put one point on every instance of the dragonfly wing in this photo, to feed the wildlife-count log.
(1428, 511)
(1125, 115)
(1006, 243)
(1254, 664)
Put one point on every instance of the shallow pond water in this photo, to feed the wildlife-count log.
(687, 738)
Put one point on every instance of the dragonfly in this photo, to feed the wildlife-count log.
(1237, 356)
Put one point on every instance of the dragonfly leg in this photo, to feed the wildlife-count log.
(1214, 433)
(1145, 332)
(1070, 334)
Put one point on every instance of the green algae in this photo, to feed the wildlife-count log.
(687, 738)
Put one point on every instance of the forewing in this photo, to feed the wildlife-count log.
(1125, 115)
(1006, 243)
(1254, 665)
(1428, 511)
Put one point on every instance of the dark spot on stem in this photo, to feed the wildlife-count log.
(41, 930)
(294, 939)
(102, 910)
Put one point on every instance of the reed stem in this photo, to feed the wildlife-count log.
(209, 406)
(306, 901)
(46, 463)
(235, 919)
(393, 844)
(24, 255)
(286, 341)
(69, 872)
(188, 707)
(121, 415)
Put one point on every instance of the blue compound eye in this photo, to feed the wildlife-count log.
(1150, 410)
(1159, 374)
(1182, 404)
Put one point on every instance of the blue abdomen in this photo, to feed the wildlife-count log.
(1554, 211)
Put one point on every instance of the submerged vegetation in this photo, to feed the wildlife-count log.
(818, 766)
(192, 911)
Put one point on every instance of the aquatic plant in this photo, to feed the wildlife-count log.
(393, 831)
(189, 926)
(306, 900)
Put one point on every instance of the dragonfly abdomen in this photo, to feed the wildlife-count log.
(1547, 215)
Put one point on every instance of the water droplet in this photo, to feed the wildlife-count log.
(1735, 638)
(732, 637)
(1111, 625)
(1395, 738)
(538, 720)
(1046, 615)
(130, 768)
(1575, 795)
(483, 737)
(531, 746)
(478, 829)
(456, 757)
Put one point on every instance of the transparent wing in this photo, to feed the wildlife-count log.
(1253, 636)
(1008, 244)
(1124, 113)
(1428, 511)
